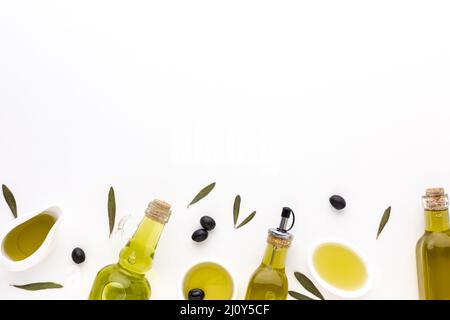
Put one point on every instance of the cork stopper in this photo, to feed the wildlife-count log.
(435, 192)
(159, 210)
(435, 199)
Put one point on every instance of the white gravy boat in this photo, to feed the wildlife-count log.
(40, 254)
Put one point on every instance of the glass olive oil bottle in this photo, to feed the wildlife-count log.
(126, 279)
(269, 282)
(433, 249)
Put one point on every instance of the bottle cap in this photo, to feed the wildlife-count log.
(435, 199)
(159, 210)
(286, 212)
(435, 192)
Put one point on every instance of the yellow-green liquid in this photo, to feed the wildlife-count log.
(433, 257)
(28, 237)
(269, 281)
(126, 280)
(212, 278)
(340, 267)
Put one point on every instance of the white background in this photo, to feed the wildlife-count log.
(282, 102)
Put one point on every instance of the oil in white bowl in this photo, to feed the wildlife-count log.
(213, 279)
(340, 266)
(25, 239)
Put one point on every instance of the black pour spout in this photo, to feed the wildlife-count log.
(285, 216)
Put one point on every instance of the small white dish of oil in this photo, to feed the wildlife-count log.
(27, 240)
(210, 276)
(340, 268)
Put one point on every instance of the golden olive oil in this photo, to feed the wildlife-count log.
(269, 281)
(28, 237)
(433, 248)
(212, 279)
(340, 266)
(126, 280)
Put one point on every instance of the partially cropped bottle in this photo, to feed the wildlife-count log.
(433, 249)
(269, 282)
(126, 280)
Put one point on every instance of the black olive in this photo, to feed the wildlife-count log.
(200, 235)
(196, 294)
(338, 202)
(208, 223)
(78, 256)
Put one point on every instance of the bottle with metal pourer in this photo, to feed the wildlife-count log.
(269, 281)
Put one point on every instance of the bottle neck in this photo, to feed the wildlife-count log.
(275, 257)
(436, 220)
(137, 256)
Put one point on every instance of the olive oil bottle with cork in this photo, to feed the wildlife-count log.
(433, 248)
(269, 282)
(126, 280)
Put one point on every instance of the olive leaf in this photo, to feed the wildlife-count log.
(299, 296)
(384, 221)
(308, 285)
(39, 286)
(247, 220)
(10, 200)
(111, 210)
(236, 212)
(203, 193)
(236, 209)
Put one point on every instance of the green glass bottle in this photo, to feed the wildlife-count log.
(269, 281)
(433, 248)
(126, 280)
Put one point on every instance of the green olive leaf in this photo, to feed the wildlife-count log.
(203, 193)
(39, 286)
(247, 220)
(236, 209)
(308, 285)
(384, 221)
(111, 210)
(299, 296)
(10, 200)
